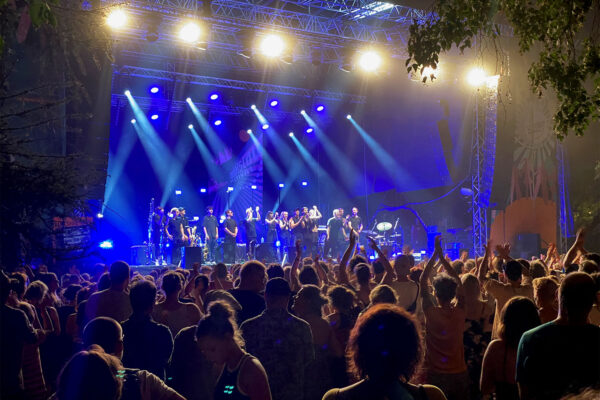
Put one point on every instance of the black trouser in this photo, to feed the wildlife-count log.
(271, 238)
(250, 244)
(211, 245)
(177, 249)
(284, 242)
(229, 250)
(336, 245)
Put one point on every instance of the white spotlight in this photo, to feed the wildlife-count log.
(272, 46)
(133, 121)
(253, 107)
(127, 93)
(291, 134)
(476, 76)
(370, 61)
(189, 100)
(348, 116)
(190, 32)
(190, 126)
(116, 19)
(249, 131)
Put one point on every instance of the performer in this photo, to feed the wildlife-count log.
(271, 222)
(211, 233)
(159, 222)
(297, 226)
(314, 215)
(231, 231)
(250, 225)
(354, 221)
(335, 234)
(175, 235)
(185, 225)
(284, 233)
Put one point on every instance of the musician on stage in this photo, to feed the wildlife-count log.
(231, 231)
(176, 235)
(284, 232)
(297, 226)
(185, 224)
(335, 234)
(312, 230)
(271, 221)
(211, 233)
(159, 222)
(354, 221)
(250, 225)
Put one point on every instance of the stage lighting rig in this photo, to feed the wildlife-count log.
(153, 21)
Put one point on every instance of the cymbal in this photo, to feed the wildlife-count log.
(384, 226)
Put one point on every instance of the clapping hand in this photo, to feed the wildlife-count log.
(503, 251)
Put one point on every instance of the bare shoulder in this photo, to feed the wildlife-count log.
(253, 369)
(434, 393)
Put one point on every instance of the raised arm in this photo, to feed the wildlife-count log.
(575, 249)
(257, 214)
(343, 274)
(482, 272)
(460, 293)
(389, 275)
(424, 281)
(295, 283)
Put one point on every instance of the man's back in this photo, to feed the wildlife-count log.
(283, 343)
(556, 359)
(252, 304)
(147, 344)
(108, 303)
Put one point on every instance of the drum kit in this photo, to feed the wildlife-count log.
(384, 235)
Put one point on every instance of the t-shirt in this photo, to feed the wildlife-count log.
(406, 292)
(298, 229)
(230, 224)
(503, 292)
(252, 304)
(210, 223)
(555, 359)
(335, 228)
(250, 228)
(153, 388)
(444, 338)
(174, 228)
(108, 303)
(355, 222)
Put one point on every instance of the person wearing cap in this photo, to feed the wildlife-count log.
(282, 342)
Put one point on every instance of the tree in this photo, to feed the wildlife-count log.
(564, 33)
(51, 51)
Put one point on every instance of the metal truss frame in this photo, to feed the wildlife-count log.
(216, 82)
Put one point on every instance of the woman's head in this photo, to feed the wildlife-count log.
(471, 285)
(90, 375)
(217, 331)
(309, 301)
(545, 292)
(36, 292)
(445, 287)
(385, 344)
(518, 315)
(382, 294)
(341, 299)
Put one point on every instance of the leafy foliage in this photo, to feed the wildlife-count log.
(563, 33)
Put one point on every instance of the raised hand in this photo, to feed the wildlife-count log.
(372, 243)
(503, 251)
(352, 236)
(438, 247)
(580, 238)
(298, 246)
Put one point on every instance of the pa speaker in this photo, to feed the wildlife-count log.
(192, 255)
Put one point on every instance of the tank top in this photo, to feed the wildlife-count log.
(227, 386)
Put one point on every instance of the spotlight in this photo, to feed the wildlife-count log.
(348, 116)
(202, 190)
(265, 126)
(369, 61)
(272, 46)
(476, 76)
(154, 117)
(291, 134)
(190, 126)
(116, 19)
(189, 100)
(249, 131)
(154, 89)
(320, 108)
(304, 183)
(190, 32)
(274, 103)
(309, 130)
(196, 218)
(229, 189)
(214, 96)
(253, 107)
(107, 244)
(99, 215)
(218, 122)
(281, 185)
(302, 112)
(177, 192)
(127, 93)
(253, 187)
(133, 121)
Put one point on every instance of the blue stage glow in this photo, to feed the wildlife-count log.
(214, 96)
(309, 130)
(99, 215)
(177, 192)
(154, 89)
(202, 190)
(218, 122)
(304, 183)
(107, 244)
(274, 103)
(133, 121)
(281, 185)
(320, 107)
(253, 187)
(190, 126)
(154, 117)
(265, 126)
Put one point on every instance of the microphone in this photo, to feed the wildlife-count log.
(396, 224)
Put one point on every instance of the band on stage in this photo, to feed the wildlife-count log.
(270, 239)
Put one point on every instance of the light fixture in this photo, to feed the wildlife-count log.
(190, 32)
(116, 19)
(189, 100)
(476, 76)
(202, 190)
(272, 46)
(274, 103)
(309, 130)
(265, 126)
(214, 96)
(291, 134)
(249, 131)
(177, 192)
(133, 121)
(99, 215)
(369, 61)
(253, 107)
(304, 183)
(154, 89)
(190, 126)
(320, 107)
(218, 122)
(127, 93)
(302, 112)
(281, 185)
(229, 189)
(348, 116)
(154, 117)
(253, 187)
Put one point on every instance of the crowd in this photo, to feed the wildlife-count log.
(482, 328)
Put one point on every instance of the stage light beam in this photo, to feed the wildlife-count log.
(117, 19)
(272, 46)
(476, 76)
(190, 32)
